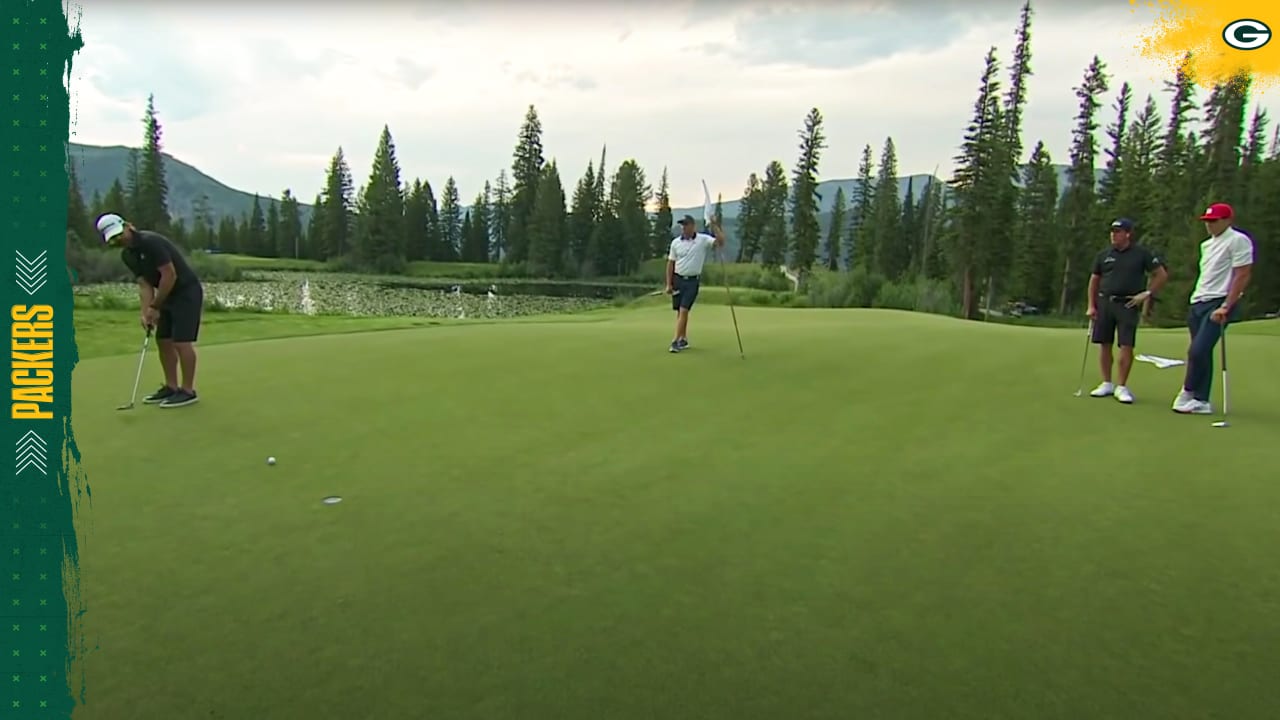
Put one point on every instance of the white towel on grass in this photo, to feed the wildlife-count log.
(1160, 362)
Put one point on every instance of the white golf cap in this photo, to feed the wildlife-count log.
(110, 225)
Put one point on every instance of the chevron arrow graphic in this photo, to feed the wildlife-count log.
(31, 273)
(32, 452)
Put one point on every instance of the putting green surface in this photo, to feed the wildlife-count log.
(874, 515)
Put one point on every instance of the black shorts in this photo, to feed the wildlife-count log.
(180, 316)
(685, 292)
(1116, 323)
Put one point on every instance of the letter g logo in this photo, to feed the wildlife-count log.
(1246, 34)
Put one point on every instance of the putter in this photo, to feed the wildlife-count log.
(133, 398)
(1084, 362)
(1223, 422)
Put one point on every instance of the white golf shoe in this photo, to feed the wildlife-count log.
(1106, 389)
(1196, 407)
(1182, 401)
(1123, 395)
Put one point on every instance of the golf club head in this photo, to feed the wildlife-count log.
(1222, 424)
(126, 406)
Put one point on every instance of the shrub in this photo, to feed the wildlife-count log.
(94, 266)
(213, 268)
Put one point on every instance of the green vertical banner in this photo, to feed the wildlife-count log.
(39, 585)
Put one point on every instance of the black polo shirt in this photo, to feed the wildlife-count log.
(1124, 272)
(150, 251)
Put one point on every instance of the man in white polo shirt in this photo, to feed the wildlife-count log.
(684, 271)
(1226, 264)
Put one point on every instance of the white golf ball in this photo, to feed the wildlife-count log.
(271, 461)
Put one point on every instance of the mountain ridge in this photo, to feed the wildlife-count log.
(99, 166)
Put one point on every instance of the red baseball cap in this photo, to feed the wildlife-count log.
(1218, 211)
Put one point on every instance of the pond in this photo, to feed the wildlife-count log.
(599, 291)
(332, 294)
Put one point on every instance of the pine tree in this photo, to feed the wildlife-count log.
(81, 228)
(891, 255)
(314, 236)
(859, 248)
(547, 227)
(116, 201)
(582, 220)
(752, 214)
(909, 228)
(773, 217)
(663, 220)
(1035, 248)
(475, 231)
(526, 172)
(416, 236)
(835, 231)
(1135, 191)
(1079, 217)
(978, 188)
(501, 219)
(202, 230)
(450, 222)
(629, 197)
(254, 233)
(1174, 187)
(805, 230)
(381, 210)
(467, 233)
(152, 208)
(289, 238)
(228, 236)
(1113, 178)
(436, 247)
(336, 222)
(271, 246)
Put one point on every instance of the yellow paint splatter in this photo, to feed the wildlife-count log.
(1198, 27)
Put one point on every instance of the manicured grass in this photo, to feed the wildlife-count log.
(875, 515)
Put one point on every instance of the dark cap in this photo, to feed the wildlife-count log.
(1122, 224)
(688, 220)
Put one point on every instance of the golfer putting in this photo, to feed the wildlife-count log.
(172, 300)
(1117, 302)
(1226, 266)
(685, 263)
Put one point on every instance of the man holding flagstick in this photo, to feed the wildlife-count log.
(685, 261)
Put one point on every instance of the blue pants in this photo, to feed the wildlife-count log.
(1205, 334)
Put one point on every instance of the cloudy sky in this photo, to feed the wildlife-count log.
(260, 96)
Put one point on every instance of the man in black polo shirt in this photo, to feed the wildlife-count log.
(172, 304)
(1116, 302)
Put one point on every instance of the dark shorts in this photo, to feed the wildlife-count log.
(180, 317)
(685, 292)
(1116, 323)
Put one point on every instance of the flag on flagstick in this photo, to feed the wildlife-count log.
(1160, 362)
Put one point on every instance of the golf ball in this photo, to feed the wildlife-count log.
(271, 461)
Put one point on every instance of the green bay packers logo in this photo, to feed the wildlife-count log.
(1246, 34)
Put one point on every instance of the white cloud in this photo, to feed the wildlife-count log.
(261, 97)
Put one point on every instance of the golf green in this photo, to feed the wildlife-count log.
(873, 515)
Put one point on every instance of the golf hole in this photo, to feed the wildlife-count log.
(332, 500)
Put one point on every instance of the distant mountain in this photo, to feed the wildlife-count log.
(98, 167)
(827, 192)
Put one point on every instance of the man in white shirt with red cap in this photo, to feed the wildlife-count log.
(1226, 264)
